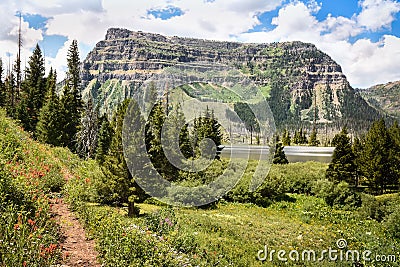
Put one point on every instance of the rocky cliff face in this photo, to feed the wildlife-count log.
(296, 77)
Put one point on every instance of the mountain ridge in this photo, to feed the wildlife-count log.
(384, 97)
(298, 79)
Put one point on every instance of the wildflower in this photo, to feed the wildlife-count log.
(16, 226)
(31, 222)
(168, 221)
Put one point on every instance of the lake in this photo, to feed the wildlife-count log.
(293, 153)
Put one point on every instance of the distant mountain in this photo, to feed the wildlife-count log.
(295, 77)
(384, 97)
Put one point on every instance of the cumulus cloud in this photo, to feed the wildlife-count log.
(377, 14)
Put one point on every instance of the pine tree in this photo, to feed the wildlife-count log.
(120, 183)
(104, 139)
(286, 138)
(34, 90)
(342, 167)
(357, 150)
(378, 161)
(88, 130)
(9, 85)
(395, 133)
(176, 133)
(296, 137)
(313, 141)
(49, 125)
(154, 143)
(279, 156)
(208, 127)
(71, 100)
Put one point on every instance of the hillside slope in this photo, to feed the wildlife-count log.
(385, 97)
(294, 76)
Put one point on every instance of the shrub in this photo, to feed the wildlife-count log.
(392, 223)
(339, 195)
(322, 188)
(371, 208)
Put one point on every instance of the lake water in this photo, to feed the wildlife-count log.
(293, 153)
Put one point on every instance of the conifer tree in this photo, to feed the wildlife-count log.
(286, 140)
(279, 156)
(120, 184)
(34, 91)
(176, 133)
(296, 137)
(154, 144)
(71, 100)
(342, 167)
(207, 127)
(9, 85)
(357, 151)
(49, 125)
(104, 139)
(313, 141)
(378, 161)
(395, 133)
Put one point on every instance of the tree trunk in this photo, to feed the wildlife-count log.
(132, 211)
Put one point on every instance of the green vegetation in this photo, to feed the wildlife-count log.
(232, 232)
(295, 208)
(301, 206)
(280, 157)
(29, 173)
(372, 161)
(384, 97)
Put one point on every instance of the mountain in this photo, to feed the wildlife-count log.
(385, 97)
(295, 77)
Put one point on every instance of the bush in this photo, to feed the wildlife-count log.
(371, 208)
(339, 195)
(392, 223)
(322, 188)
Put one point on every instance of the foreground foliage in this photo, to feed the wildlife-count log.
(28, 174)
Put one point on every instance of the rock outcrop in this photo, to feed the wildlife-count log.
(298, 79)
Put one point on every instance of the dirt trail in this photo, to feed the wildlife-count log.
(77, 249)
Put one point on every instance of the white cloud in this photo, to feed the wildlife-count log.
(377, 14)
(374, 63)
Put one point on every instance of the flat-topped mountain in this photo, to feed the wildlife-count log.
(295, 77)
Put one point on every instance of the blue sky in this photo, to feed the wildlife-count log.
(363, 36)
